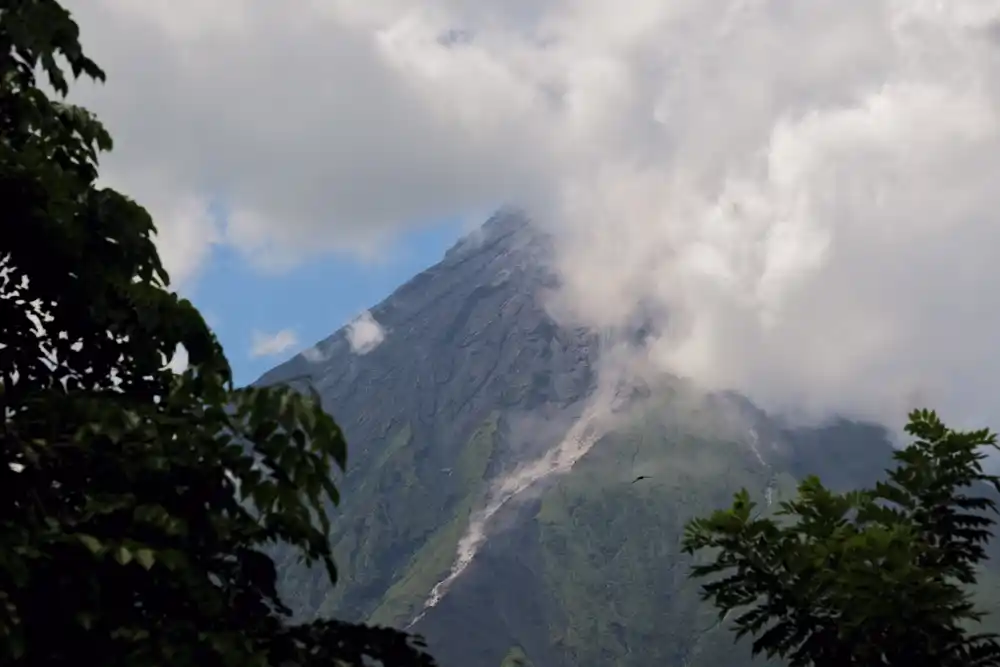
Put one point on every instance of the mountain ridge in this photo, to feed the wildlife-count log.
(473, 382)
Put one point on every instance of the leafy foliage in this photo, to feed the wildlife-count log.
(873, 577)
(135, 502)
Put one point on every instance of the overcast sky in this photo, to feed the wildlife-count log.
(809, 189)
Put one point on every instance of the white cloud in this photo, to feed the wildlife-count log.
(364, 334)
(269, 345)
(807, 188)
(314, 355)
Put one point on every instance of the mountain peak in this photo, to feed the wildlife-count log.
(508, 230)
(472, 422)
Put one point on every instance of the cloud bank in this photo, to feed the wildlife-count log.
(807, 190)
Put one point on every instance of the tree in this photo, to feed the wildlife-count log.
(135, 503)
(873, 577)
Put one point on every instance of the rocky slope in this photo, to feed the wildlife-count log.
(473, 384)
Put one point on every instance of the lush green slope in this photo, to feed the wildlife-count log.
(587, 571)
(602, 570)
(391, 523)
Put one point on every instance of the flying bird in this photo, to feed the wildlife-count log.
(640, 477)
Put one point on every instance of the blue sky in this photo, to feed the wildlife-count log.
(312, 300)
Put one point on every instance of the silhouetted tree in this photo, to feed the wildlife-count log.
(873, 577)
(134, 502)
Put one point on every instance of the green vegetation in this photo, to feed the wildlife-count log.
(592, 570)
(135, 503)
(395, 536)
(596, 574)
(431, 563)
(879, 576)
(611, 548)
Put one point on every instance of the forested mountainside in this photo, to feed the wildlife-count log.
(474, 380)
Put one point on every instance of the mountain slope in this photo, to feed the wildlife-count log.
(589, 572)
(467, 342)
(473, 381)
